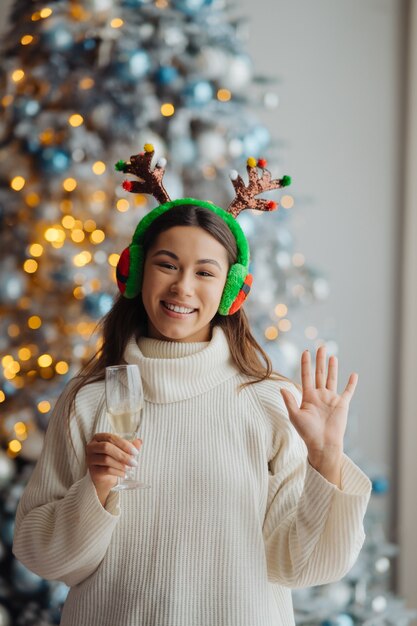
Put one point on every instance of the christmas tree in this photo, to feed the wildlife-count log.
(86, 84)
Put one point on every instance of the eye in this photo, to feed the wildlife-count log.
(204, 273)
(167, 265)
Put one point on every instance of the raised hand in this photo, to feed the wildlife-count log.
(322, 416)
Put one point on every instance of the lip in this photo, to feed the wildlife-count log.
(174, 314)
(176, 303)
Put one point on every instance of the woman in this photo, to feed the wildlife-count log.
(251, 494)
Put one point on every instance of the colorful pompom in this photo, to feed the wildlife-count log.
(285, 181)
(262, 163)
(148, 147)
(271, 205)
(251, 162)
(128, 185)
(120, 166)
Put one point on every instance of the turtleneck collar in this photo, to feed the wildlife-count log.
(174, 370)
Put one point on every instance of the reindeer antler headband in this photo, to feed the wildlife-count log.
(238, 282)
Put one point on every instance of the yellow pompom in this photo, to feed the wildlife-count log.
(148, 147)
(251, 162)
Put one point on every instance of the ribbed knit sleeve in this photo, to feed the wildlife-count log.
(62, 531)
(312, 530)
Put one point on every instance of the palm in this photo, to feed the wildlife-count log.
(322, 416)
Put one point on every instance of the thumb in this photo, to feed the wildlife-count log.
(289, 400)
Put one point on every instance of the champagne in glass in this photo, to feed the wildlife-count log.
(124, 402)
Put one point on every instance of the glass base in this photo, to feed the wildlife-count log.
(130, 484)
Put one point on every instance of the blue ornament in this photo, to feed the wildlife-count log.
(54, 160)
(26, 581)
(191, 7)
(380, 485)
(132, 65)
(57, 36)
(166, 75)
(198, 92)
(97, 304)
(26, 107)
(89, 44)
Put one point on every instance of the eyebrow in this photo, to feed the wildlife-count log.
(174, 256)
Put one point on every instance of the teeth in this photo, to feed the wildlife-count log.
(177, 309)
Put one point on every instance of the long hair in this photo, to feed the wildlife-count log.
(128, 318)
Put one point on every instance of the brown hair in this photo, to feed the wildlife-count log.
(128, 317)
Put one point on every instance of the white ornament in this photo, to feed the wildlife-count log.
(161, 162)
(233, 174)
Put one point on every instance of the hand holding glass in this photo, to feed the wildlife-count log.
(124, 402)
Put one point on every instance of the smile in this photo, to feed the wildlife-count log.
(179, 310)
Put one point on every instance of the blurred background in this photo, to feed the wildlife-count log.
(326, 92)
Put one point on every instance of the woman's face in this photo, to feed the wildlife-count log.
(185, 267)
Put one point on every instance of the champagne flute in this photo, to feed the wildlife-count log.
(124, 402)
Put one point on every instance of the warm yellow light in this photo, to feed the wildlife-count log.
(32, 199)
(75, 120)
(99, 168)
(82, 258)
(26, 40)
(24, 354)
(6, 360)
(36, 249)
(281, 310)
(13, 330)
(47, 372)
(7, 100)
(44, 360)
(224, 95)
(47, 136)
(78, 293)
(116, 22)
(34, 322)
(68, 221)
(161, 4)
(271, 333)
(15, 446)
(139, 199)
(167, 109)
(98, 196)
(89, 226)
(17, 75)
(69, 184)
(122, 205)
(97, 236)
(298, 259)
(36, 16)
(2, 396)
(79, 13)
(44, 406)
(61, 367)
(13, 367)
(55, 234)
(287, 202)
(77, 235)
(30, 266)
(66, 205)
(20, 428)
(284, 325)
(17, 183)
(45, 12)
(86, 83)
(113, 259)
(9, 375)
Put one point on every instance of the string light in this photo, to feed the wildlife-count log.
(86, 83)
(44, 360)
(24, 354)
(284, 325)
(68, 222)
(30, 266)
(13, 330)
(224, 95)
(15, 446)
(75, 120)
(20, 429)
(2, 396)
(122, 205)
(61, 367)
(45, 12)
(281, 310)
(271, 333)
(26, 40)
(32, 199)
(34, 322)
(17, 75)
(17, 183)
(113, 259)
(167, 109)
(69, 184)
(116, 22)
(99, 167)
(7, 100)
(77, 235)
(287, 202)
(89, 226)
(36, 249)
(97, 236)
(44, 406)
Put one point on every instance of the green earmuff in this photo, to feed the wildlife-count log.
(129, 271)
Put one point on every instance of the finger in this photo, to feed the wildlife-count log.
(104, 471)
(306, 370)
(350, 387)
(121, 443)
(290, 401)
(105, 449)
(107, 460)
(320, 366)
(332, 374)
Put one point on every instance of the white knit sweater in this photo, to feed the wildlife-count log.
(235, 516)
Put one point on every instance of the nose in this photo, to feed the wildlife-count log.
(183, 284)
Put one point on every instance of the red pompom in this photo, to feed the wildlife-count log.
(262, 163)
(127, 184)
(271, 205)
(122, 270)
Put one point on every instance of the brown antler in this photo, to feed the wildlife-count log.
(245, 196)
(151, 180)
